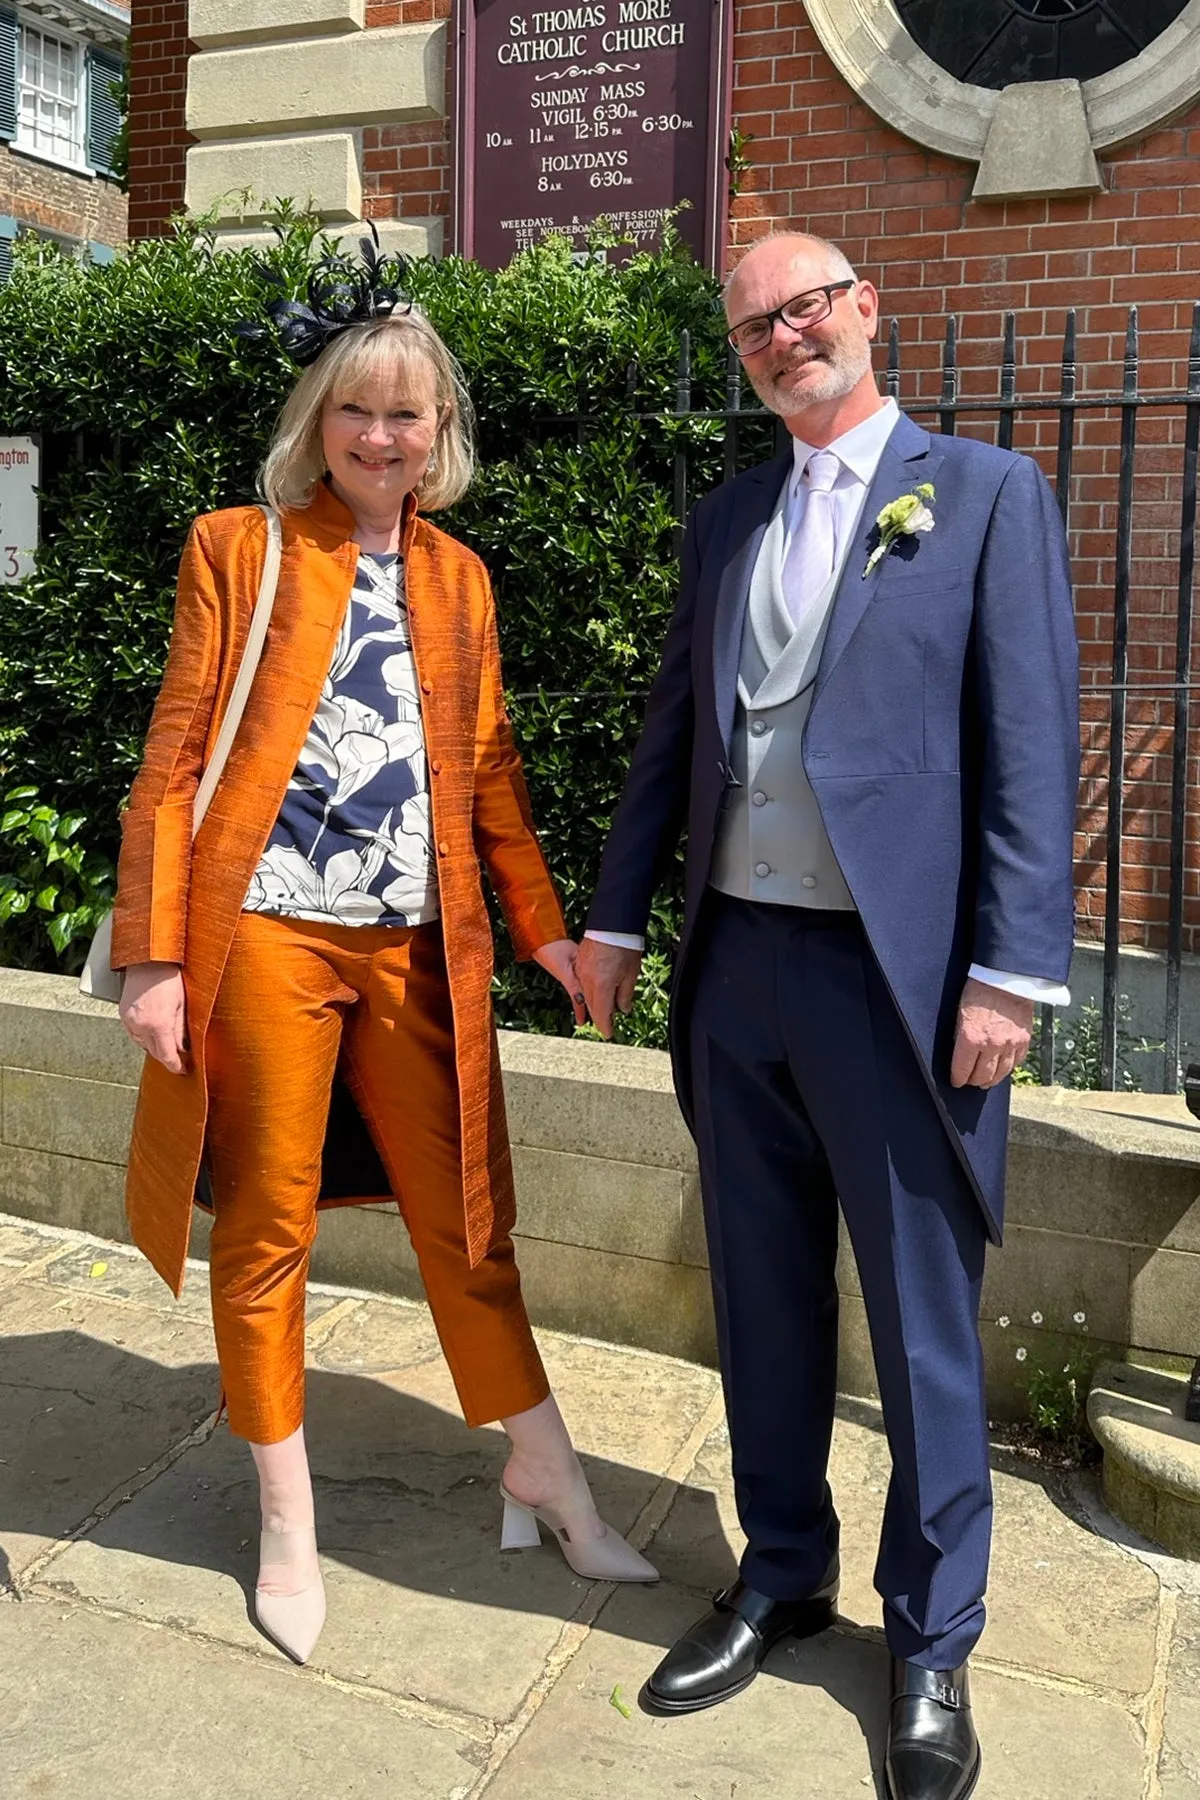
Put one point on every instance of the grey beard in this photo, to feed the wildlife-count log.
(837, 379)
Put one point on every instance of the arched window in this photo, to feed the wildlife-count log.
(992, 43)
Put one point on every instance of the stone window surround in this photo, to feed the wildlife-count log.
(1045, 134)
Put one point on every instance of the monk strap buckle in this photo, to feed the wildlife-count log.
(949, 1696)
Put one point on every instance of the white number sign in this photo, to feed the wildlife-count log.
(20, 459)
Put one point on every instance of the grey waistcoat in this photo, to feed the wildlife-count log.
(771, 843)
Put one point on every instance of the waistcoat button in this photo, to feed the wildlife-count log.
(760, 799)
(443, 849)
(809, 881)
(762, 869)
(758, 727)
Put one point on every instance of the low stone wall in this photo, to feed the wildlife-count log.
(1104, 1196)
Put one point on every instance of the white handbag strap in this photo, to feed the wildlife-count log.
(251, 655)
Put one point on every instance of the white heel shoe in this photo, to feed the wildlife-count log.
(293, 1621)
(607, 1558)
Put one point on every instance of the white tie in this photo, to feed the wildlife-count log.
(808, 564)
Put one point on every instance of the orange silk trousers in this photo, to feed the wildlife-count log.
(297, 1002)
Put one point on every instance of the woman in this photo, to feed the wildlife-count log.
(327, 926)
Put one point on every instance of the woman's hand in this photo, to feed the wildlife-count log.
(558, 959)
(153, 1012)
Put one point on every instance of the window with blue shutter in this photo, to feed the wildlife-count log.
(8, 231)
(104, 72)
(8, 74)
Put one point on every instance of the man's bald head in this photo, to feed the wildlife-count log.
(781, 249)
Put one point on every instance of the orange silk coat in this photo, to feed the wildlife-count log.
(179, 901)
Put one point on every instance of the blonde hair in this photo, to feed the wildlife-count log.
(390, 349)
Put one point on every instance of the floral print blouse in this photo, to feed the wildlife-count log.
(352, 844)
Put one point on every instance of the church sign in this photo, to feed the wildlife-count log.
(615, 110)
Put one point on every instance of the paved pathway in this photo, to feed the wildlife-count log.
(130, 1669)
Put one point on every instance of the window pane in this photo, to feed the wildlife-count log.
(50, 114)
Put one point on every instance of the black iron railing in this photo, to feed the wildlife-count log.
(744, 423)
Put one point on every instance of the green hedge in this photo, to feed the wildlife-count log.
(153, 410)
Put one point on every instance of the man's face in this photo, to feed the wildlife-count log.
(823, 362)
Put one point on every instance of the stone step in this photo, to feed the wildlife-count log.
(1151, 1453)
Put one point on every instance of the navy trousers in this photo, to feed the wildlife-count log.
(808, 1091)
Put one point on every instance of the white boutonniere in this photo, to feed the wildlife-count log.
(900, 518)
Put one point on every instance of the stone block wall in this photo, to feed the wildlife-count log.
(1104, 1203)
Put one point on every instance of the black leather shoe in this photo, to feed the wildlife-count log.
(723, 1652)
(932, 1749)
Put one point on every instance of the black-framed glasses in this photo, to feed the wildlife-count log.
(801, 311)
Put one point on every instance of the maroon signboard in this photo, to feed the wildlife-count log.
(569, 114)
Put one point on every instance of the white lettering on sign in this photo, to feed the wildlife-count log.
(585, 159)
(576, 18)
(552, 49)
(20, 467)
(642, 37)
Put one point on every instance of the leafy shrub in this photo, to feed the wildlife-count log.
(1078, 1050)
(153, 410)
(54, 891)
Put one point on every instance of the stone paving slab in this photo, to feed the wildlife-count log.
(409, 1515)
(130, 1665)
(1062, 1601)
(1179, 1761)
(106, 1709)
(21, 1245)
(812, 1724)
(90, 1395)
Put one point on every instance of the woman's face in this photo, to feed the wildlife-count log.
(378, 439)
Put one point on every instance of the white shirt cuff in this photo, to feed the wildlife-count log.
(620, 940)
(1026, 987)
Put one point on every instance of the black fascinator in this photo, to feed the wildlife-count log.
(342, 291)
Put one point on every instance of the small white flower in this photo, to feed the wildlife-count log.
(1035, 1318)
(1081, 1318)
(1066, 1368)
(920, 520)
(1003, 1321)
(1022, 1353)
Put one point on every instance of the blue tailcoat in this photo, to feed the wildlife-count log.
(942, 745)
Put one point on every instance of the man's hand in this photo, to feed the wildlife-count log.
(558, 959)
(153, 1012)
(993, 1035)
(608, 976)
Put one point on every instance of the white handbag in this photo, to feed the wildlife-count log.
(98, 978)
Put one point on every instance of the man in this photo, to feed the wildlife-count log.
(868, 719)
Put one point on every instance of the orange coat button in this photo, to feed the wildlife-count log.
(425, 688)
(436, 767)
(443, 849)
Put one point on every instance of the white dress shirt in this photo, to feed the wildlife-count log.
(858, 451)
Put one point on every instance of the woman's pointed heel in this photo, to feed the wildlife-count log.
(293, 1621)
(607, 1558)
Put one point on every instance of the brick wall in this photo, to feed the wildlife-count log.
(158, 139)
(52, 199)
(406, 168)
